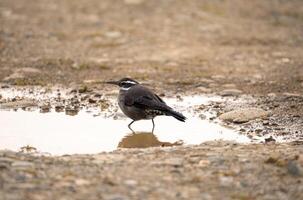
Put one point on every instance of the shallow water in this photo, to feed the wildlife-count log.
(91, 132)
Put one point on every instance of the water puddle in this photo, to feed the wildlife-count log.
(92, 130)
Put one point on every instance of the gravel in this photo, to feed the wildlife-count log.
(213, 170)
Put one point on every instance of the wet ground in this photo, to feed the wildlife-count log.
(242, 61)
(94, 130)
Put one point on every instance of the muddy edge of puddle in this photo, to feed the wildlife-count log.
(244, 113)
(89, 123)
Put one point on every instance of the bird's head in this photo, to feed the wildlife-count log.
(124, 83)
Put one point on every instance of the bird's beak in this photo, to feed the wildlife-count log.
(112, 82)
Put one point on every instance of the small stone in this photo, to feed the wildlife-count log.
(30, 70)
(231, 92)
(45, 108)
(271, 95)
(218, 77)
(90, 100)
(133, 2)
(115, 197)
(203, 89)
(22, 164)
(71, 111)
(6, 160)
(25, 186)
(204, 163)
(91, 81)
(83, 89)
(4, 166)
(229, 86)
(243, 115)
(14, 76)
(113, 34)
(59, 108)
(75, 65)
(82, 182)
(226, 181)
(97, 95)
(73, 91)
(294, 168)
(288, 94)
(270, 140)
(285, 60)
(202, 116)
(130, 182)
(4, 86)
(176, 162)
(18, 104)
(205, 80)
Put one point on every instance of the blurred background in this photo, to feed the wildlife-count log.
(256, 45)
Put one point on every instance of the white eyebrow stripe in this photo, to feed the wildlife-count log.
(131, 82)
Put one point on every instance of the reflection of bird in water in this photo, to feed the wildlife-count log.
(144, 140)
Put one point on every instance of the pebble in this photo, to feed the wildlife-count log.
(4, 166)
(270, 140)
(231, 92)
(288, 94)
(45, 108)
(82, 182)
(18, 104)
(226, 181)
(71, 111)
(229, 85)
(133, 2)
(243, 115)
(204, 89)
(205, 80)
(29, 70)
(13, 76)
(6, 160)
(130, 182)
(83, 89)
(113, 34)
(202, 116)
(271, 94)
(59, 108)
(294, 168)
(90, 100)
(218, 77)
(115, 197)
(5, 86)
(176, 162)
(204, 163)
(22, 164)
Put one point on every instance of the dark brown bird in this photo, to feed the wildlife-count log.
(138, 102)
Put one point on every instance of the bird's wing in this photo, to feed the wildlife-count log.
(148, 102)
(142, 97)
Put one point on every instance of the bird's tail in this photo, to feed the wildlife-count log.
(176, 115)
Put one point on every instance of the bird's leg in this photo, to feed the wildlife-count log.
(153, 125)
(130, 127)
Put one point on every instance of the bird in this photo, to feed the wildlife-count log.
(140, 103)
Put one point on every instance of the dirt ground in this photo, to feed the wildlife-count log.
(229, 48)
